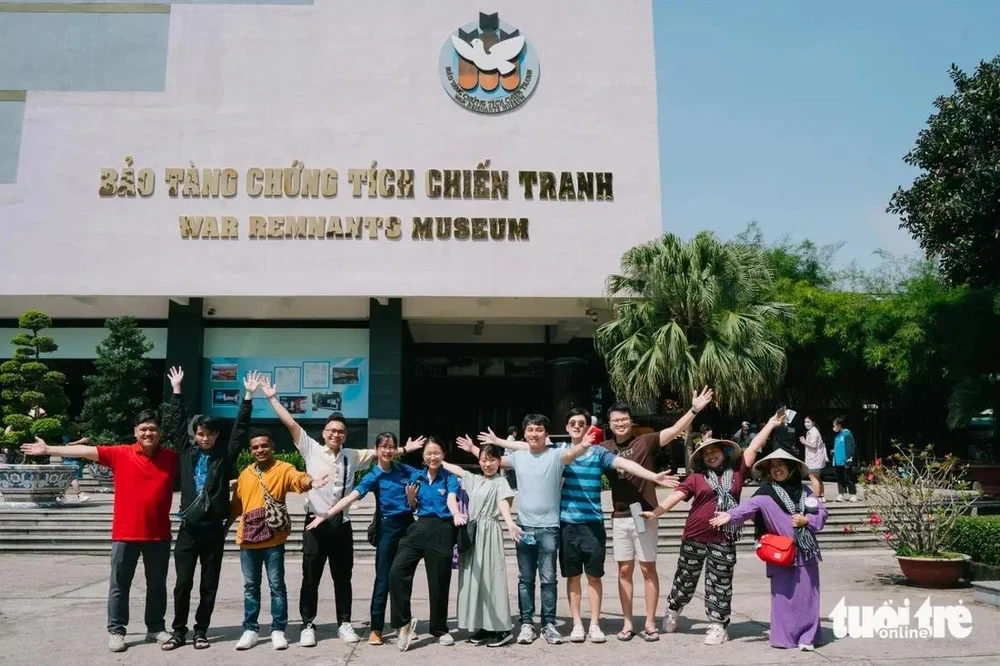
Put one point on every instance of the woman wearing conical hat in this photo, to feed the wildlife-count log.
(785, 507)
(718, 469)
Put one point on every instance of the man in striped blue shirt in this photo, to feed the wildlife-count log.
(582, 534)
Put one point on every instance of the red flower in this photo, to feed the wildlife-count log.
(947, 456)
(871, 477)
(888, 536)
(875, 519)
(878, 462)
(848, 529)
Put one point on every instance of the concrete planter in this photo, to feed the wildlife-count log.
(980, 571)
(104, 476)
(31, 486)
(934, 571)
(987, 476)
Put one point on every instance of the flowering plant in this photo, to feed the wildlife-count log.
(914, 499)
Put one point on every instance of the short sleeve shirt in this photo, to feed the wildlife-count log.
(340, 467)
(539, 477)
(390, 487)
(432, 496)
(144, 490)
(625, 488)
(704, 503)
(581, 488)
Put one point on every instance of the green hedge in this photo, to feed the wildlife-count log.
(978, 537)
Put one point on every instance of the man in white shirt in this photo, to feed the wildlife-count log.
(333, 541)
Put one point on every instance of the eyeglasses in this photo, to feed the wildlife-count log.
(576, 424)
(626, 419)
(335, 431)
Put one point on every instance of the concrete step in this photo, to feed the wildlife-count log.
(987, 592)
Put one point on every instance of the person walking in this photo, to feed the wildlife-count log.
(843, 461)
(816, 457)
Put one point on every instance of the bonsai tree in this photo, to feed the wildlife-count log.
(914, 500)
(117, 391)
(34, 403)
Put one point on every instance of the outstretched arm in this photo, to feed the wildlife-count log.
(635, 469)
(174, 411)
(40, 448)
(271, 393)
(453, 469)
(760, 439)
(698, 402)
(251, 383)
(344, 502)
(666, 505)
(489, 437)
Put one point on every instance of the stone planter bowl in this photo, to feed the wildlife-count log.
(35, 485)
(934, 571)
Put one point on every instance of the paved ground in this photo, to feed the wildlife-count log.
(53, 610)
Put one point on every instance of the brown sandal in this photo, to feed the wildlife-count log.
(201, 643)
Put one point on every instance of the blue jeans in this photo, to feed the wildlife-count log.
(273, 560)
(392, 529)
(540, 557)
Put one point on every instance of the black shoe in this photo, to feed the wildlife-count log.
(175, 641)
(501, 639)
(481, 637)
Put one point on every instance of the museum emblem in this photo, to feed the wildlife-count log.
(488, 66)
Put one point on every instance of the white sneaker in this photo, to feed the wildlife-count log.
(278, 640)
(852, 498)
(596, 635)
(247, 640)
(346, 633)
(670, 621)
(82, 498)
(527, 634)
(552, 635)
(806, 647)
(161, 637)
(308, 637)
(840, 498)
(578, 635)
(716, 635)
(446, 639)
(116, 642)
(406, 635)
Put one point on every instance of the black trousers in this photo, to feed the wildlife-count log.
(197, 544)
(431, 540)
(845, 480)
(331, 544)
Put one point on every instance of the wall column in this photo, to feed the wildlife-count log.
(185, 348)
(385, 368)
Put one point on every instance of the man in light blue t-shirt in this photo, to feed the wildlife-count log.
(843, 461)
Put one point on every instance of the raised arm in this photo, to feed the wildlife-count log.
(174, 411)
(251, 383)
(271, 393)
(760, 439)
(489, 437)
(40, 448)
(699, 401)
(575, 451)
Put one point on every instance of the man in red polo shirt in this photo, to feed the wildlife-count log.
(144, 485)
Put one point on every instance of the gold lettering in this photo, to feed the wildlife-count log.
(584, 185)
(423, 228)
(354, 226)
(329, 178)
(394, 229)
(404, 183)
(546, 186)
(210, 182)
(357, 178)
(498, 228)
(386, 178)
(499, 184)
(452, 184)
(255, 177)
(517, 229)
(275, 227)
(228, 183)
(230, 228)
(190, 226)
(478, 228)
(605, 186)
(126, 186)
(443, 227)
(211, 229)
(258, 226)
(481, 184)
(292, 179)
(310, 183)
(295, 227)
(334, 228)
(272, 182)
(317, 227)
(109, 183)
(466, 184)
(172, 177)
(433, 184)
(528, 179)
(566, 192)
(192, 185)
(145, 182)
(462, 228)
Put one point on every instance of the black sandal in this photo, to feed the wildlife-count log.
(201, 643)
(172, 643)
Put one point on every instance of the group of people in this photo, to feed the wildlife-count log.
(425, 514)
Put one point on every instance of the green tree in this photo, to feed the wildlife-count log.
(117, 391)
(34, 403)
(690, 314)
(952, 207)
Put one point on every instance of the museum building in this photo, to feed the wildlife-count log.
(405, 212)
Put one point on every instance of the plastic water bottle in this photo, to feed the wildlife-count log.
(528, 539)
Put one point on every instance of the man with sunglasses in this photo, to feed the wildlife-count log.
(332, 542)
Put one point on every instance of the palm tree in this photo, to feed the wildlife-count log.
(691, 314)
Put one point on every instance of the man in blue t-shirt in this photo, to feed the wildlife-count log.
(582, 536)
(843, 461)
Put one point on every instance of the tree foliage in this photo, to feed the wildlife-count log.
(117, 391)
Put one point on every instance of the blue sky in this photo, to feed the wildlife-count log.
(797, 114)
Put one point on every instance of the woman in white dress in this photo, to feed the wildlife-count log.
(816, 457)
(483, 601)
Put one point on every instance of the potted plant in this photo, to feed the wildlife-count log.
(116, 392)
(34, 405)
(914, 499)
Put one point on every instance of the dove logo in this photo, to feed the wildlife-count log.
(488, 66)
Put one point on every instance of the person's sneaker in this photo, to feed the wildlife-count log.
(82, 498)
(852, 498)
(406, 635)
(375, 638)
(446, 639)
(247, 640)
(578, 635)
(481, 637)
(806, 647)
(116, 642)
(346, 633)
(158, 637)
(716, 635)
(501, 639)
(278, 640)
(670, 621)
(596, 635)
(308, 637)
(840, 498)
(527, 634)
(552, 635)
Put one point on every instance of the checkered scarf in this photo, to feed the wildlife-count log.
(722, 484)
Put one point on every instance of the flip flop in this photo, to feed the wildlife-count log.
(625, 636)
(649, 636)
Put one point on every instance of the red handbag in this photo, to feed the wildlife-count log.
(775, 549)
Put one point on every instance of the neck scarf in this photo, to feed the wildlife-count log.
(722, 484)
(790, 497)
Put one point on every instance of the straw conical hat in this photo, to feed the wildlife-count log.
(763, 465)
(730, 449)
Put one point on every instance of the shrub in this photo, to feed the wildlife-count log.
(978, 537)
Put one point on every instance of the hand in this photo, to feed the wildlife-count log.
(648, 515)
(798, 520)
(489, 437)
(460, 519)
(802, 440)
(316, 522)
(36, 448)
(777, 420)
(319, 483)
(720, 519)
(465, 443)
(176, 377)
(266, 388)
(253, 381)
(85, 440)
(516, 533)
(411, 493)
(232, 484)
(414, 444)
(700, 401)
(667, 479)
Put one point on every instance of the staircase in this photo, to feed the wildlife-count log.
(85, 529)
